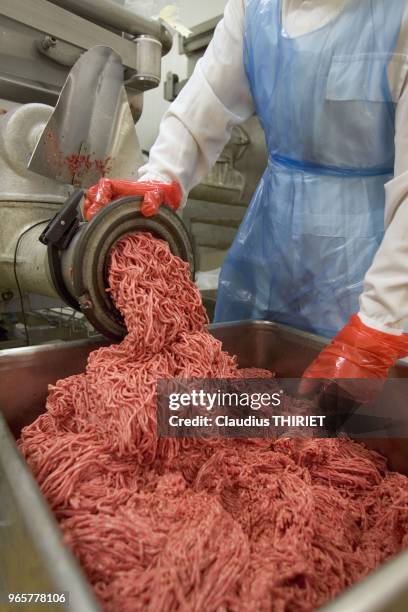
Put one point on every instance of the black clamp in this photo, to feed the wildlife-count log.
(62, 227)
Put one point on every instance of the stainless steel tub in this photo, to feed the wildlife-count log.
(31, 553)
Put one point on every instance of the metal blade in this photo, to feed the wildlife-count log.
(91, 132)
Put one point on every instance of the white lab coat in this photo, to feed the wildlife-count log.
(198, 124)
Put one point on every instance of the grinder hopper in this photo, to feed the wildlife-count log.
(91, 132)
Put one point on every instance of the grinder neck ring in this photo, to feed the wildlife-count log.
(82, 268)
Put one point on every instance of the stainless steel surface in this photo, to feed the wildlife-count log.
(39, 43)
(33, 70)
(385, 590)
(47, 321)
(84, 262)
(19, 132)
(43, 17)
(32, 268)
(113, 15)
(25, 374)
(61, 52)
(77, 274)
(91, 130)
(33, 557)
(262, 344)
(148, 71)
(31, 261)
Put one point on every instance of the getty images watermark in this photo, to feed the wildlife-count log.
(266, 408)
(213, 402)
(233, 408)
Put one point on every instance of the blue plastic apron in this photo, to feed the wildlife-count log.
(317, 216)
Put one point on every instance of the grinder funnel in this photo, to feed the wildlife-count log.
(91, 132)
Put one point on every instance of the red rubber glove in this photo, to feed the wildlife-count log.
(358, 352)
(154, 194)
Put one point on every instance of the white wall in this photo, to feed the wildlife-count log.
(192, 12)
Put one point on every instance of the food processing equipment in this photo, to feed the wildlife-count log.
(75, 254)
(32, 553)
(93, 60)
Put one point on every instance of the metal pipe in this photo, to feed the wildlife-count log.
(110, 14)
(22, 223)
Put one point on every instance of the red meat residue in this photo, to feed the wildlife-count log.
(76, 163)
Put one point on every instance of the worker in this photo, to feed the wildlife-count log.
(328, 80)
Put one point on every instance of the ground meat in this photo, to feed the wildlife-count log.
(192, 525)
(254, 373)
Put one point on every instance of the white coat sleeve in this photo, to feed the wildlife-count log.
(384, 301)
(198, 124)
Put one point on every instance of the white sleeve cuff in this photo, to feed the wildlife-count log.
(145, 175)
(380, 326)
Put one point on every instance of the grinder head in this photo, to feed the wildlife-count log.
(80, 270)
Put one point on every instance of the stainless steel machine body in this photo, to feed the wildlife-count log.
(33, 558)
(95, 59)
(41, 40)
(67, 258)
(91, 131)
(28, 535)
(74, 270)
(80, 271)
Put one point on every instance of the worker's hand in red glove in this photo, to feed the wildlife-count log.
(360, 353)
(154, 194)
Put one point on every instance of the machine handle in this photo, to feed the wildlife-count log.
(64, 224)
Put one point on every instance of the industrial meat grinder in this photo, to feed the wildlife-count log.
(47, 157)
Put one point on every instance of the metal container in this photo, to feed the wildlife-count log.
(30, 541)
